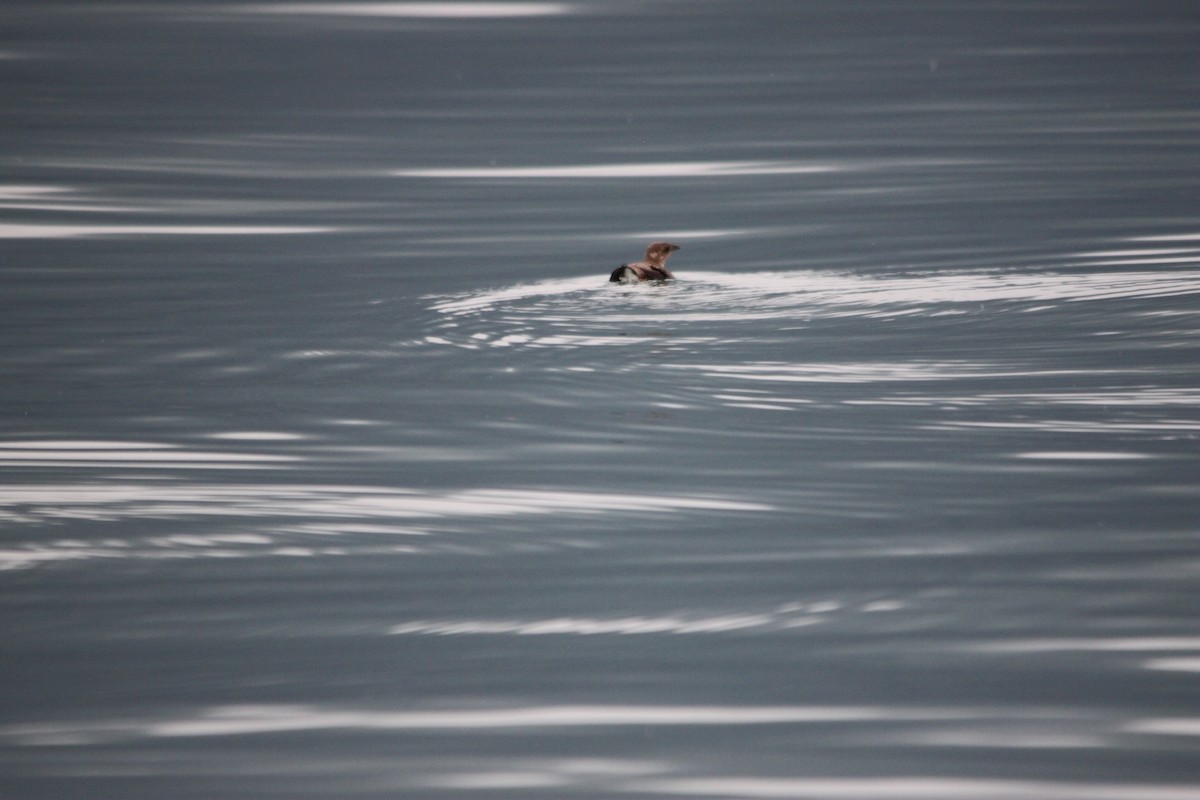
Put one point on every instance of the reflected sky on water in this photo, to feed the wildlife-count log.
(332, 465)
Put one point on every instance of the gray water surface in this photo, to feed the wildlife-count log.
(332, 466)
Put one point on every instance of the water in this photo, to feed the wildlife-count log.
(333, 467)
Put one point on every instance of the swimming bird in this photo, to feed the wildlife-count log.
(654, 268)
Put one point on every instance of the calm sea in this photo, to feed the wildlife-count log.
(331, 465)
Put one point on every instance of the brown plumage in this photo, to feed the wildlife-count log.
(654, 268)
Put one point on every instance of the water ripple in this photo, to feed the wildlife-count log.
(673, 169)
(583, 311)
(29, 454)
(415, 10)
(76, 231)
(907, 788)
(786, 617)
(290, 520)
(116, 500)
(271, 719)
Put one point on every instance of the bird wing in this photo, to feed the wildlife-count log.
(624, 274)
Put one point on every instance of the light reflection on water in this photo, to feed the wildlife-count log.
(904, 787)
(582, 315)
(287, 520)
(1022, 730)
(333, 465)
(66, 231)
(456, 10)
(693, 169)
(239, 721)
(878, 372)
(130, 455)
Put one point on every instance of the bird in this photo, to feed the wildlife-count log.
(654, 268)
